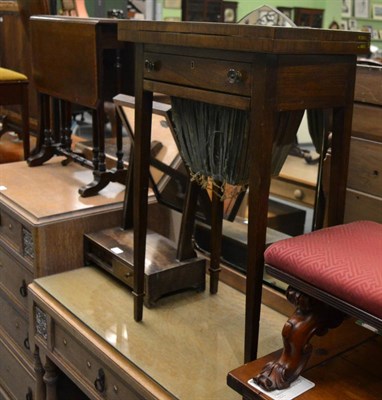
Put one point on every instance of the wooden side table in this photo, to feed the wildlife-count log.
(78, 61)
(278, 73)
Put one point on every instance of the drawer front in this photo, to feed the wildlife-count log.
(367, 122)
(15, 325)
(365, 167)
(14, 279)
(11, 231)
(220, 75)
(123, 272)
(106, 260)
(93, 371)
(360, 206)
(14, 377)
(292, 191)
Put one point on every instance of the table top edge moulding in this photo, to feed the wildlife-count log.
(119, 364)
(280, 40)
(60, 205)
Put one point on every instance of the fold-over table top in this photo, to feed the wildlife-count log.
(246, 38)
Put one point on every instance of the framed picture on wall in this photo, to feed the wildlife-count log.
(172, 4)
(361, 9)
(377, 11)
(346, 10)
(352, 24)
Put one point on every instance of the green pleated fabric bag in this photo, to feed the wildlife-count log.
(214, 143)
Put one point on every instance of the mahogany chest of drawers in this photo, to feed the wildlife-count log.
(42, 222)
(364, 185)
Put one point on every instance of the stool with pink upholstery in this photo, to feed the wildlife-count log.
(332, 273)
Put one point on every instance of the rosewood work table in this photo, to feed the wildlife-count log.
(273, 73)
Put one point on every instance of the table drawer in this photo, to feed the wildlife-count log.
(293, 191)
(365, 166)
(15, 325)
(14, 279)
(106, 260)
(94, 371)
(15, 378)
(11, 231)
(367, 121)
(220, 75)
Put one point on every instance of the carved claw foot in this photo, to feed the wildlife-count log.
(311, 317)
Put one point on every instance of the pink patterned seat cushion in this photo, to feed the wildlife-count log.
(344, 260)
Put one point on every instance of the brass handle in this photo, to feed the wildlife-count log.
(26, 343)
(298, 194)
(29, 395)
(150, 66)
(23, 289)
(99, 383)
(234, 76)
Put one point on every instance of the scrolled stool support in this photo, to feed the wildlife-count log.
(310, 318)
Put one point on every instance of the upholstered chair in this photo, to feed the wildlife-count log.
(14, 91)
(333, 273)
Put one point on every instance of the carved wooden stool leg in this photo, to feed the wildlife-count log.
(50, 379)
(310, 318)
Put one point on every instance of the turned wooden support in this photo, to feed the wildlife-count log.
(50, 379)
(39, 372)
(310, 318)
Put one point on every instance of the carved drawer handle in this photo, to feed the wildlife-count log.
(151, 66)
(99, 383)
(26, 343)
(23, 289)
(29, 395)
(234, 76)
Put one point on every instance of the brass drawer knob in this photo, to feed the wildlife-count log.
(298, 194)
(65, 342)
(88, 364)
(150, 66)
(234, 76)
(10, 227)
